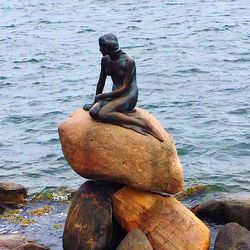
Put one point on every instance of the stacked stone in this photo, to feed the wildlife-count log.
(133, 176)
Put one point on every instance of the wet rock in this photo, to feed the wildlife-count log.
(232, 237)
(164, 220)
(224, 211)
(89, 220)
(18, 242)
(12, 193)
(103, 151)
(10, 241)
(135, 240)
(2, 209)
(31, 246)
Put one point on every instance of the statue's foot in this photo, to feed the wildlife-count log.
(155, 133)
(149, 128)
(145, 128)
(135, 128)
(152, 130)
(87, 107)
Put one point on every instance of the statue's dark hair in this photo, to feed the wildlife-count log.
(110, 42)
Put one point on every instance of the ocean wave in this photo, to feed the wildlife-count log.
(18, 119)
(133, 27)
(192, 71)
(87, 30)
(32, 60)
(8, 26)
(240, 111)
(238, 60)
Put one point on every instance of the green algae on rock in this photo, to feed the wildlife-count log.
(192, 191)
(45, 210)
(14, 216)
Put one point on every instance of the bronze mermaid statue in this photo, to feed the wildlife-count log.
(117, 106)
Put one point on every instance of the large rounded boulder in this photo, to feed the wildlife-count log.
(89, 224)
(225, 211)
(165, 221)
(232, 237)
(108, 152)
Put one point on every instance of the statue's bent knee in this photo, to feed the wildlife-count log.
(93, 113)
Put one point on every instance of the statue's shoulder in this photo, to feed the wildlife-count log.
(129, 60)
(105, 60)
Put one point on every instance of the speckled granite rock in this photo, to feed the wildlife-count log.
(135, 240)
(107, 152)
(232, 237)
(164, 220)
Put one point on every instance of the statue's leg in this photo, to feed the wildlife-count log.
(94, 111)
(114, 112)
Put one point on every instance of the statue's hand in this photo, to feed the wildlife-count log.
(99, 97)
(87, 107)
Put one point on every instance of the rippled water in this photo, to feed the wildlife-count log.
(193, 60)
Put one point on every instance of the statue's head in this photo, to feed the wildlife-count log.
(108, 44)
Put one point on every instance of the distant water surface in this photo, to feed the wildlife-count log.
(193, 61)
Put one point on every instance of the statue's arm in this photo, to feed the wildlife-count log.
(102, 78)
(128, 78)
(100, 85)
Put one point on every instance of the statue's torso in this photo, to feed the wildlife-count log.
(117, 70)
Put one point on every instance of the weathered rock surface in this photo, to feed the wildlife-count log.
(18, 242)
(135, 240)
(89, 221)
(164, 220)
(10, 241)
(232, 237)
(12, 193)
(30, 246)
(108, 152)
(224, 211)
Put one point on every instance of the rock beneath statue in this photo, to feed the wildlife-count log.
(164, 220)
(224, 211)
(107, 152)
(12, 193)
(135, 240)
(18, 242)
(89, 222)
(234, 237)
